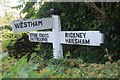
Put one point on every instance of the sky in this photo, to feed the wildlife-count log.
(1, 11)
(11, 4)
(15, 2)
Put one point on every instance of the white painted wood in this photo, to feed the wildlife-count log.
(33, 24)
(41, 36)
(91, 38)
(56, 36)
(57, 47)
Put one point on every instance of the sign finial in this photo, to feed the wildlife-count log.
(55, 11)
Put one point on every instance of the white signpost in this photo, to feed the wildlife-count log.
(41, 37)
(33, 24)
(56, 36)
(91, 38)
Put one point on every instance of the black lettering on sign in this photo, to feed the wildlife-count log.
(40, 23)
(84, 35)
(87, 41)
(78, 41)
(21, 25)
(42, 39)
(33, 36)
(29, 24)
(16, 25)
(32, 24)
(26, 24)
(66, 34)
(46, 35)
(36, 23)
(75, 35)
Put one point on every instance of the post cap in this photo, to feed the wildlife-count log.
(55, 11)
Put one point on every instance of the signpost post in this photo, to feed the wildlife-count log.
(56, 36)
(57, 47)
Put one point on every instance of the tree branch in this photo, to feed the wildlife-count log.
(92, 5)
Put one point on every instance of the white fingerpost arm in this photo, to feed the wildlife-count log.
(57, 47)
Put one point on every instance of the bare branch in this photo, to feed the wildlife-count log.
(92, 5)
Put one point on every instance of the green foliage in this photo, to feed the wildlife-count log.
(89, 16)
(29, 9)
(19, 44)
(75, 17)
(7, 27)
(21, 47)
(0, 75)
(66, 62)
(9, 35)
(110, 28)
(5, 44)
(7, 63)
(57, 68)
(92, 57)
(89, 60)
(41, 55)
(22, 69)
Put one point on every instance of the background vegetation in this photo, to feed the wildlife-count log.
(79, 61)
(53, 68)
(81, 17)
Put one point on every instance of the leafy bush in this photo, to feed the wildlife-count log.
(66, 62)
(62, 68)
(82, 17)
(8, 27)
(78, 17)
(92, 57)
(22, 69)
(21, 47)
(83, 70)
(5, 44)
(9, 35)
(7, 63)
